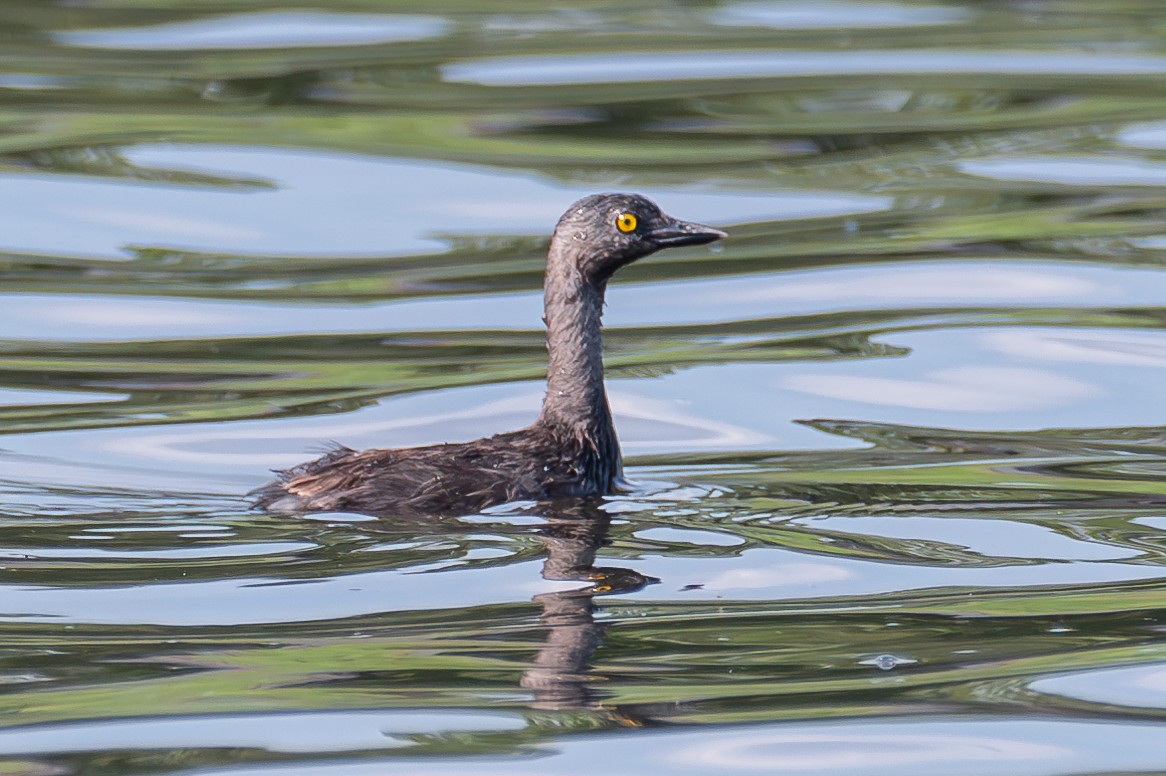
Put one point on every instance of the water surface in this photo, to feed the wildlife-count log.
(897, 444)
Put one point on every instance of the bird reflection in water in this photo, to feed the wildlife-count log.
(560, 676)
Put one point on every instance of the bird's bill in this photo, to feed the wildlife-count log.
(685, 233)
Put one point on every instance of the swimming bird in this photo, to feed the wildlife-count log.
(570, 450)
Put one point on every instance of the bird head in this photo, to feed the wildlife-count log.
(604, 232)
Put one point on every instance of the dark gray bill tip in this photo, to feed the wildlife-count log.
(685, 233)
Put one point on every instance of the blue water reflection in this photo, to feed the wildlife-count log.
(895, 447)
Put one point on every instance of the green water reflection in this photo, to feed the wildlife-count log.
(898, 447)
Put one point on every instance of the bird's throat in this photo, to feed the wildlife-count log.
(575, 394)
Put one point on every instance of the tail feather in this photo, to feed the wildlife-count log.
(274, 497)
(332, 453)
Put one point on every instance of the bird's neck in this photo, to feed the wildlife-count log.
(576, 399)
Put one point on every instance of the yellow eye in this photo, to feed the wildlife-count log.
(626, 222)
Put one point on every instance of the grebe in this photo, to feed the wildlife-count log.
(571, 450)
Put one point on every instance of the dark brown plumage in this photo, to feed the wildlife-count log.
(571, 450)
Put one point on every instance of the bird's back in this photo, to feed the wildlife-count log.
(530, 464)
